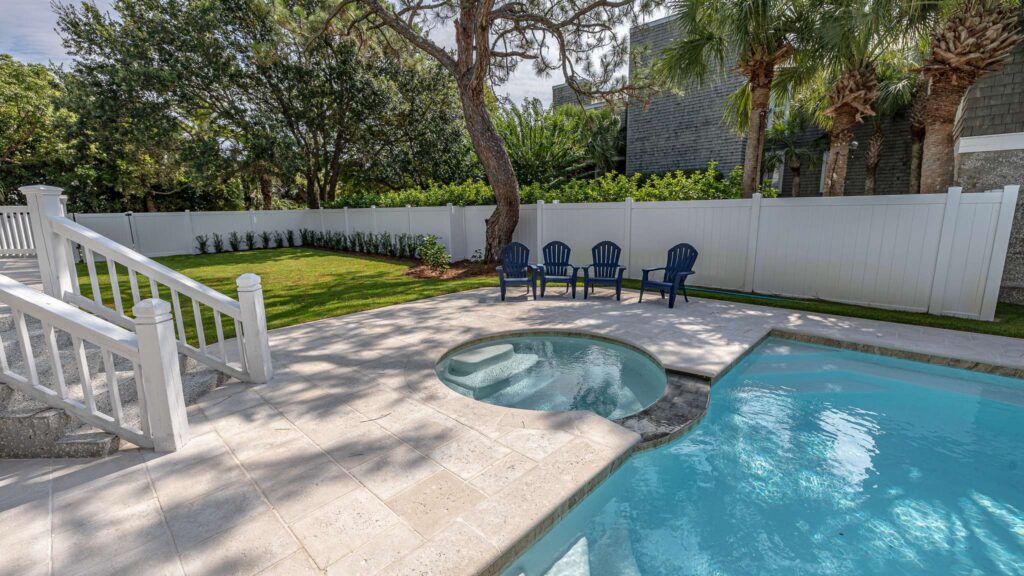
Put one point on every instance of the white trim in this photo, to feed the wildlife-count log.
(990, 143)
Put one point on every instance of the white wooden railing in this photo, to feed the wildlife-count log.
(161, 421)
(238, 345)
(16, 232)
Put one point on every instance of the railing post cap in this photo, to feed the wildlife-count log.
(42, 189)
(151, 311)
(248, 282)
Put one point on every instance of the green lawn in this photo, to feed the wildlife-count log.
(301, 285)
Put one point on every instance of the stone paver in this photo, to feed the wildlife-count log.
(357, 460)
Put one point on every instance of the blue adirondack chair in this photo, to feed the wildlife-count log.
(556, 267)
(679, 266)
(515, 269)
(605, 269)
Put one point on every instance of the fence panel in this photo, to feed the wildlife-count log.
(163, 233)
(281, 220)
(718, 229)
(973, 239)
(361, 220)
(116, 227)
(583, 225)
(878, 251)
(223, 223)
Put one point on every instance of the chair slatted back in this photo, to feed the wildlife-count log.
(556, 258)
(514, 260)
(606, 259)
(681, 258)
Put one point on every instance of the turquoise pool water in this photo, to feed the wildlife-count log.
(555, 373)
(813, 460)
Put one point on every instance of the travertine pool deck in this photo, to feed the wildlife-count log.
(357, 460)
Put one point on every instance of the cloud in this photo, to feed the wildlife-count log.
(28, 30)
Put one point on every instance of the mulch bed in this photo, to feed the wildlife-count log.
(463, 269)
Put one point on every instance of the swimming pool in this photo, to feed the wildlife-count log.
(555, 372)
(815, 460)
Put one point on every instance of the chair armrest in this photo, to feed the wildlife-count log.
(622, 269)
(501, 272)
(652, 269)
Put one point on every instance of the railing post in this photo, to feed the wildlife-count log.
(51, 250)
(254, 328)
(540, 230)
(627, 235)
(162, 392)
(752, 232)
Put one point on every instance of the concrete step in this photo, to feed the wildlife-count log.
(32, 429)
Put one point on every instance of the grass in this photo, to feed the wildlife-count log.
(301, 285)
(1009, 319)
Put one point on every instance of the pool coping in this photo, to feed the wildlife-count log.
(508, 556)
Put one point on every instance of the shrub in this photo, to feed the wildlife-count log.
(218, 243)
(434, 255)
(250, 240)
(705, 184)
(290, 236)
(235, 241)
(265, 238)
(202, 243)
(278, 239)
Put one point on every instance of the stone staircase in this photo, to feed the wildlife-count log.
(31, 429)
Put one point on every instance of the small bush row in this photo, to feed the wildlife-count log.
(398, 245)
(250, 240)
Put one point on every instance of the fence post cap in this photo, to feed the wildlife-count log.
(756, 195)
(151, 311)
(248, 282)
(42, 189)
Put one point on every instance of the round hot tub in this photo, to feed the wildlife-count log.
(555, 372)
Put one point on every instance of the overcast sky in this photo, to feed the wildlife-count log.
(27, 33)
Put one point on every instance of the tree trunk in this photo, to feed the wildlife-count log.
(490, 149)
(312, 199)
(150, 201)
(873, 158)
(760, 96)
(794, 167)
(267, 191)
(841, 136)
(917, 110)
(937, 151)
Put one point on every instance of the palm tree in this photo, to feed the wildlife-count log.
(784, 145)
(759, 34)
(973, 41)
(897, 85)
(850, 39)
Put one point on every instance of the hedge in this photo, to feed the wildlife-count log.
(706, 184)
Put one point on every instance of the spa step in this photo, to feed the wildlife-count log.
(471, 361)
(575, 562)
(494, 377)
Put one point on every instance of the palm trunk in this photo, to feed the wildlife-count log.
(794, 167)
(937, 151)
(874, 157)
(841, 136)
(760, 95)
(490, 149)
(267, 190)
(917, 109)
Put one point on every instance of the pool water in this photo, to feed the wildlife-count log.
(555, 373)
(814, 460)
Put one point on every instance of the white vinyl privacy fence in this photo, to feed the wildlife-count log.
(938, 253)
